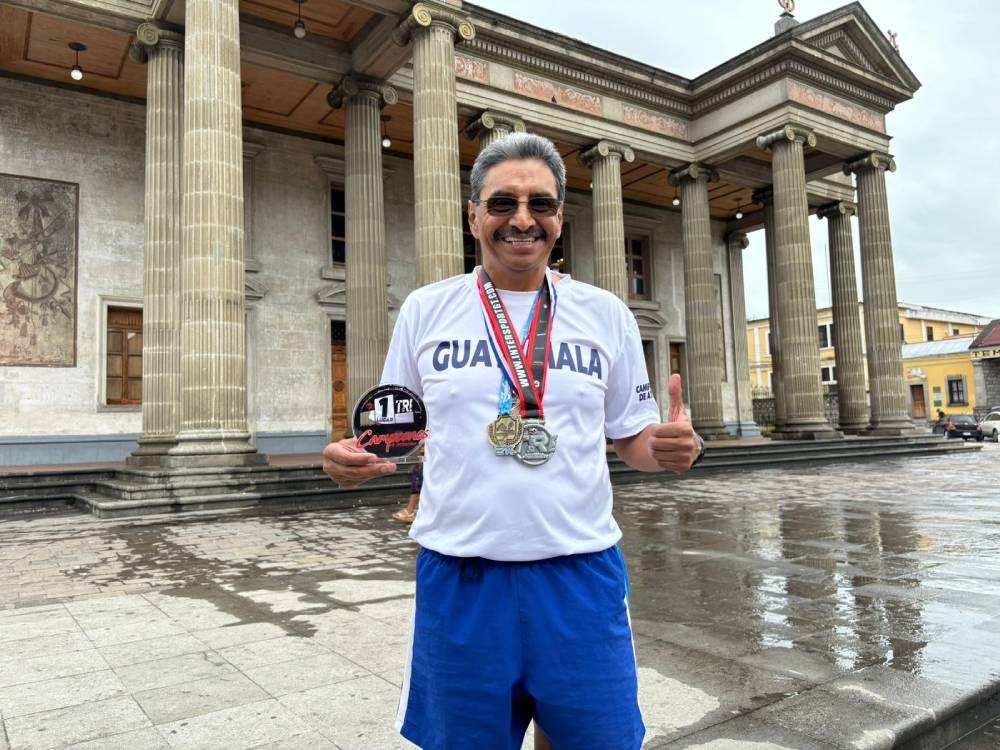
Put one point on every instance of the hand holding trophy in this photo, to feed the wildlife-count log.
(389, 424)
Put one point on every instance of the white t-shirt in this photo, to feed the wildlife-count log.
(476, 504)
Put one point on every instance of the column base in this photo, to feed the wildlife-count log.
(892, 428)
(213, 460)
(748, 430)
(712, 431)
(807, 431)
(214, 448)
(151, 450)
(860, 428)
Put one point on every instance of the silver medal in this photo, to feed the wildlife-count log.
(537, 443)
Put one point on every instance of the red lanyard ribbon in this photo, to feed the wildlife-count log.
(529, 383)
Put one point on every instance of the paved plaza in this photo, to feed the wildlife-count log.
(835, 606)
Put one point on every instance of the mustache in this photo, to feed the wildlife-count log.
(509, 233)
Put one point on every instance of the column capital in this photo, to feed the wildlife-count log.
(492, 120)
(353, 85)
(874, 160)
(693, 171)
(764, 195)
(423, 15)
(604, 149)
(789, 133)
(737, 240)
(148, 36)
(837, 208)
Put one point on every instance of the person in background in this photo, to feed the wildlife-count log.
(409, 514)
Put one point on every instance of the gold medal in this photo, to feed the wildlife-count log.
(505, 433)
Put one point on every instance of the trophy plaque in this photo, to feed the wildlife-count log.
(390, 421)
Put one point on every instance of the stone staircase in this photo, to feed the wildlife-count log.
(297, 483)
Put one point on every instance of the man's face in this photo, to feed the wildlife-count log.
(516, 247)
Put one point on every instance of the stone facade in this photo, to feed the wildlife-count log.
(55, 415)
(258, 369)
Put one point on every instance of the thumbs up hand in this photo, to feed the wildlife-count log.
(674, 445)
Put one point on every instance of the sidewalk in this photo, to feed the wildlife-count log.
(849, 605)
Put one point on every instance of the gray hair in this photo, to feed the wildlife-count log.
(518, 146)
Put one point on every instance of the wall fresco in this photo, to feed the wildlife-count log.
(556, 93)
(472, 70)
(643, 118)
(38, 264)
(831, 105)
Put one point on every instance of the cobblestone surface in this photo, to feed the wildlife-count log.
(815, 607)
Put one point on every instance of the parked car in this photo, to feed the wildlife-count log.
(991, 426)
(963, 426)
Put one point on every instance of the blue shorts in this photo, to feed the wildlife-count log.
(496, 644)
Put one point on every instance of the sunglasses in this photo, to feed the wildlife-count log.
(506, 205)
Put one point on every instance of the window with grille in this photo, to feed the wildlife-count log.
(825, 335)
(637, 259)
(956, 391)
(123, 359)
(338, 226)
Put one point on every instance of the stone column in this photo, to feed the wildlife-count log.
(436, 178)
(765, 196)
(492, 126)
(604, 160)
(367, 301)
(213, 427)
(163, 50)
(805, 417)
(878, 279)
(701, 314)
(848, 350)
(736, 243)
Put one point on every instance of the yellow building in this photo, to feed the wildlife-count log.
(940, 377)
(917, 325)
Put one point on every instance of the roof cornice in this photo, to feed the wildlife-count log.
(803, 61)
(508, 40)
(523, 46)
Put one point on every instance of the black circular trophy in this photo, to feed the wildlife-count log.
(390, 421)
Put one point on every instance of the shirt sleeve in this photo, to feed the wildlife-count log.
(401, 361)
(629, 405)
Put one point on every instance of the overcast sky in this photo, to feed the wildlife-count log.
(945, 195)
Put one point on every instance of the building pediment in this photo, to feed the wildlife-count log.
(842, 52)
(850, 34)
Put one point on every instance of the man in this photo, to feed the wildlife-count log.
(521, 601)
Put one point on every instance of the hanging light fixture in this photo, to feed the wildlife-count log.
(739, 208)
(386, 142)
(677, 199)
(299, 28)
(76, 72)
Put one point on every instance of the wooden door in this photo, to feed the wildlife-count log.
(338, 372)
(917, 399)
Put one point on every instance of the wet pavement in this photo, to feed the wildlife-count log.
(837, 606)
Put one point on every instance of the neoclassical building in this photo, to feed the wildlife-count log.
(210, 210)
